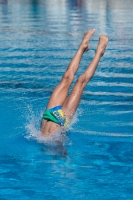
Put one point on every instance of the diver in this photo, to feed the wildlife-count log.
(61, 108)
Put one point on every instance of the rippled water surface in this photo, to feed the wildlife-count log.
(37, 41)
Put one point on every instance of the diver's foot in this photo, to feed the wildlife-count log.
(103, 42)
(84, 44)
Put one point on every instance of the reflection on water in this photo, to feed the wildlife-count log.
(77, 17)
(3, 1)
(89, 4)
(76, 3)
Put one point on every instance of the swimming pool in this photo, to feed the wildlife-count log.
(37, 41)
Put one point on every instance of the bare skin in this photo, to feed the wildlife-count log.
(59, 95)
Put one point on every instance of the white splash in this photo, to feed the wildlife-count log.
(33, 130)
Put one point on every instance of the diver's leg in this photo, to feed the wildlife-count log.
(71, 103)
(60, 92)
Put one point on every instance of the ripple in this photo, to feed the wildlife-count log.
(108, 94)
(115, 75)
(107, 134)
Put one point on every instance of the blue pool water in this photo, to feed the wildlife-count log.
(37, 40)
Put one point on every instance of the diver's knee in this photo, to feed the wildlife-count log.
(82, 80)
(68, 76)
